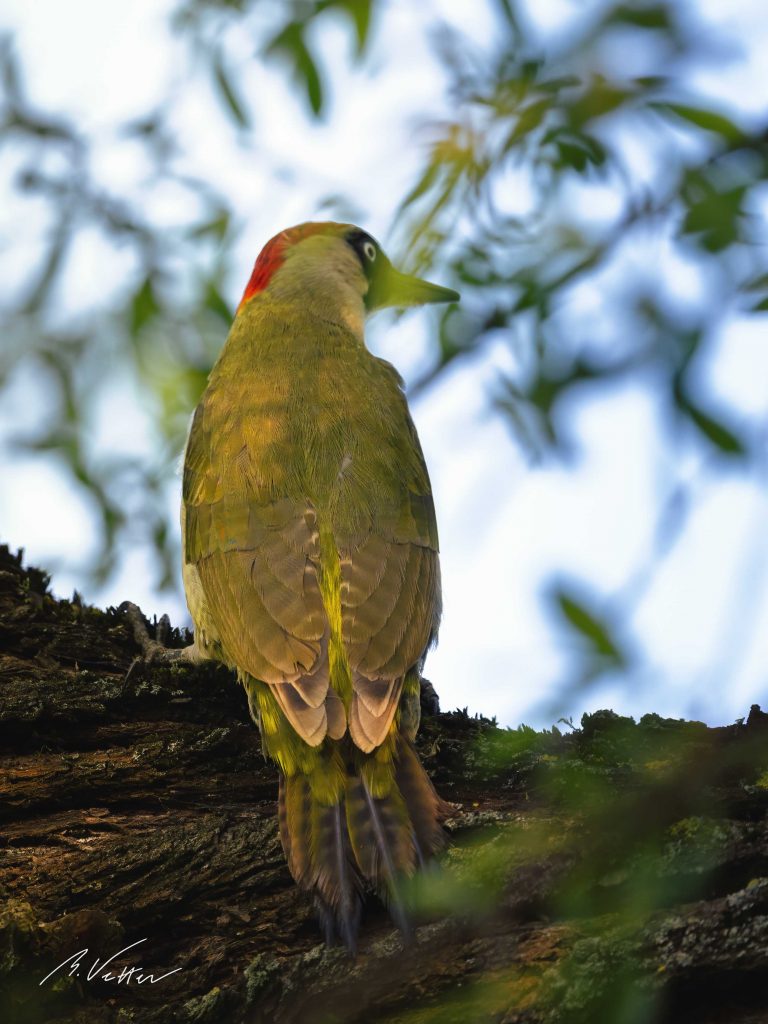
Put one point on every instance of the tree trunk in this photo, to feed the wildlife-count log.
(618, 872)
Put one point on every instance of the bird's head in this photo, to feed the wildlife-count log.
(337, 270)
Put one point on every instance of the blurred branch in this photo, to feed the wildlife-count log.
(504, 199)
(571, 173)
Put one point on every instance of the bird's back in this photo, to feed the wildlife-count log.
(304, 430)
(303, 409)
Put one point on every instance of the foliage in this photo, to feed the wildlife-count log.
(536, 197)
(532, 195)
(621, 824)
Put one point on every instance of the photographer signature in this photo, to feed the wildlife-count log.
(98, 969)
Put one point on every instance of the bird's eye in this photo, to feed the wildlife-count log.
(369, 250)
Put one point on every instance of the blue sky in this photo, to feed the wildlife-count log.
(505, 527)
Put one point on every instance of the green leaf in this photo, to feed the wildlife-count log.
(701, 117)
(509, 14)
(571, 156)
(577, 151)
(599, 99)
(651, 81)
(217, 226)
(228, 94)
(651, 17)
(760, 307)
(360, 13)
(530, 295)
(307, 69)
(425, 182)
(529, 118)
(756, 284)
(596, 150)
(555, 85)
(591, 628)
(144, 306)
(716, 216)
(289, 43)
(713, 430)
(214, 301)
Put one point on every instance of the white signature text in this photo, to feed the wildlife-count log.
(99, 969)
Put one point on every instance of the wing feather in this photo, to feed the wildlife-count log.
(256, 554)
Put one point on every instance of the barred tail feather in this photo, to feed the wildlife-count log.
(320, 858)
(426, 809)
(294, 804)
(362, 841)
(381, 838)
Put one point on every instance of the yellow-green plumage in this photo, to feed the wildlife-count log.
(311, 567)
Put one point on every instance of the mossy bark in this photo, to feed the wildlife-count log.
(618, 872)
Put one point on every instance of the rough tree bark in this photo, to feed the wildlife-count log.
(145, 811)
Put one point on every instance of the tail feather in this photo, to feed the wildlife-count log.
(425, 808)
(379, 830)
(294, 805)
(382, 840)
(336, 878)
(320, 858)
(361, 841)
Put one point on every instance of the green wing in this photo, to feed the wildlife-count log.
(257, 563)
(391, 600)
(259, 559)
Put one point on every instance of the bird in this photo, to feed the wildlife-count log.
(311, 565)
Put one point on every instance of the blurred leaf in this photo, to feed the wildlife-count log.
(9, 67)
(651, 82)
(589, 625)
(714, 213)
(529, 118)
(756, 284)
(144, 127)
(509, 14)
(423, 185)
(289, 42)
(144, 306)
(651, 16)
(228, 93)
(215, 302)
(48, 273)
(600, 98)
(360, 13)
(557, 84)
(760, 307)
(704, 118)
(579, 151)
(216, 226)
(713, 430)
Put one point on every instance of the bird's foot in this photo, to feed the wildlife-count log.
(154, 652)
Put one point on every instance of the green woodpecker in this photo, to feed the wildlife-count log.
(311, 560)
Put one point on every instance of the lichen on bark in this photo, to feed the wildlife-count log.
(615, 872)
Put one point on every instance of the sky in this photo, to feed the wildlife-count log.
(505, 527)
